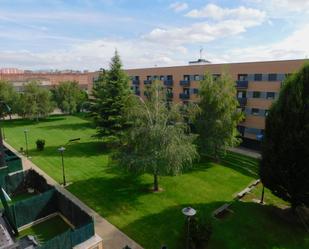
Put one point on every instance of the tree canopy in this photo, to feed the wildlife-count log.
(35, 101)
(110, 93)
(218, 116)
(158, 142)
(8, 95)
(69, 97)
(284, 168)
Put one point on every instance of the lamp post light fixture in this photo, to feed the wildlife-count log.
(61, 150)
(188, 212)
(26, 139)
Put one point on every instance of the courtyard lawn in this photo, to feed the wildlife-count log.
(46, 230)
(154, 219)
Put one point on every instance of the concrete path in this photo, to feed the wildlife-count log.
(112, 237)
(246, 152)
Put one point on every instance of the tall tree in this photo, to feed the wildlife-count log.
(69, 97)
(35, 101)
(219, 116)
(110, 93)
(158, 142)
(284, 168)
(8, 95)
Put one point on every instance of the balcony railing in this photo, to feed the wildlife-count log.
(242, 101)
(147, 82)
(184, 95)
(185, 82)
(168, 82)
(135, 82)
(242, 83)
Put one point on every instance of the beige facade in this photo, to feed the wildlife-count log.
(258, 85)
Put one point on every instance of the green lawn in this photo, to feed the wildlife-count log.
(46, 230)
(154, 219)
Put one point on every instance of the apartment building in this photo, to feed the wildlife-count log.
(48, 80)
(258, 85)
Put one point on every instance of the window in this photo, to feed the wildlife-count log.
(255, 111)
(186, 91)
(196, 77)
(258, 77)
(270, 95)
(256, 94)
(162, 77)
(266, 113)
(169, 77)
(241, 95)
(216, 76)
(135, 77)
(148, 77)
(272, 77)
(186, 77)
(242, 76)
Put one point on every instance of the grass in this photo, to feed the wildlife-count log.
(154, 219)
(46, 230)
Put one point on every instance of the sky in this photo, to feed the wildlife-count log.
(84, 34)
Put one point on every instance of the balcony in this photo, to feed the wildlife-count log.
(184, 95)
(147, 82)
(168, 82)
(185, 82)
(242, 83)
(242, 101)
(135, 82)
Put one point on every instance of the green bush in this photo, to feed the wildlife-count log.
(40, 144)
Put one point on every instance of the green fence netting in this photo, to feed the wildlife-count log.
(82, 234)
(62, 241)
(34, 208)
(13, 162)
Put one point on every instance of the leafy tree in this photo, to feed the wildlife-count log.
(35, 101)
(219, 116)
(110, 93)
(158, 142)
(69, 97)
(8, 95)
(284, 168)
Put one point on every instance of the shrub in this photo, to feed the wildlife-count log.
(40, 144)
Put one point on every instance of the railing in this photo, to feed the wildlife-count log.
(184, 82)
(147, 82)
(168, 82)
(242, 101)
(184, 95)
(135, 82)
(242, 83)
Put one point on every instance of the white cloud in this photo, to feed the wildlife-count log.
(292, 47)
(217, 13)
(178, 6)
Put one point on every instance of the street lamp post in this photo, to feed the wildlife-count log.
(188, 212)
(26, 139)
(61, 150)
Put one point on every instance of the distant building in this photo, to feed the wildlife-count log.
(11, 71)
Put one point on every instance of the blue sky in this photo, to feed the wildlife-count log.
(83, 34)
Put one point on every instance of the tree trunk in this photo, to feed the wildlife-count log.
(155, 183)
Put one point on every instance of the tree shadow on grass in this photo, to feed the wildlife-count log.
(26, 122)
(76, 126)
(250, 226)
(110, 196)
(86, 149)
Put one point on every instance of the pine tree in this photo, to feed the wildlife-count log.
(284, 168)
(110, 93)
(158, 141)
(219, 116)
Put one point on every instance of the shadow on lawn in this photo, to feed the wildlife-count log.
(110, 196)
(25, 122)
(251, 226)
(76, 126)
(86, 149)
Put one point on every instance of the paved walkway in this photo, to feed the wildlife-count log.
(112, 237)
(246, 152)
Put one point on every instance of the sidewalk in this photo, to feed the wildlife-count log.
(112, 237)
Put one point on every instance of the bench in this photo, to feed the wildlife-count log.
(221, 209)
